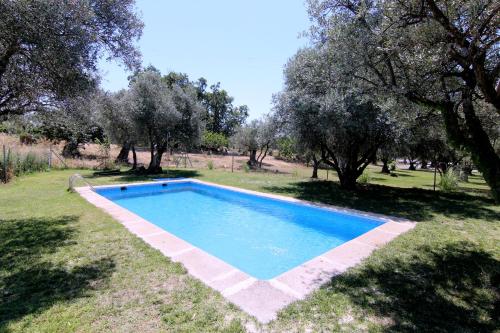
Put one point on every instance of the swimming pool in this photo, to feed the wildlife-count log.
(261, 236)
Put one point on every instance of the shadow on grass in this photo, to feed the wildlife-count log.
(448, 289)
(28, 282)
(411, 203)
(404, 173)
(131, 177)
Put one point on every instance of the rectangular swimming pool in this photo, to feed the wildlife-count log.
(261, 236)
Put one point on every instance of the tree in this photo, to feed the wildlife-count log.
(266, 136)
(245, 138)
(165, 115)
(214, 141)
(423, 138)
(344, 124)
(221, 115)
(442, 55)
(287, 147)
(306, 135)
(73, 120)
(257, 136)
(386, 154)
(49, 49)
(117, 119)
(354, 128)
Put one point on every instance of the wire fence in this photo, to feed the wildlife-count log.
(17, 160)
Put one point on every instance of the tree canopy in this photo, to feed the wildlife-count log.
(49, 49)
(340, 122)
(74, 120)
(257, 136)
(160, 114)
(221, 115)
(442, 55)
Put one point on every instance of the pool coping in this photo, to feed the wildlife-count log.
(262, 299)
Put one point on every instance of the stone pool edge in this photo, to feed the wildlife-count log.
(262, 299)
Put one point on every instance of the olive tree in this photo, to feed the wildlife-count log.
(443, 55)
(73, 120)
(245, 139)
(49, 49)
(346, 125)
(163, 114)
(257, 137)
(305, 136)
(117, 120)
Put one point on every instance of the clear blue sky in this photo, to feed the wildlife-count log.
(241, 44)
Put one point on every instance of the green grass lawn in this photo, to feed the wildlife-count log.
(67, 266)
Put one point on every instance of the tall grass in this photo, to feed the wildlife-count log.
(365, 177)
(15, 164)
(449, 181)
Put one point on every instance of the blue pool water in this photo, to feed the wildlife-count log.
(261, 236)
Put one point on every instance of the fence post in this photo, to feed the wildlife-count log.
(435, 169)
(232, 161)
(4, 165)
(50, 157)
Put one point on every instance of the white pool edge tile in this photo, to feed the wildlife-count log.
(262, 299)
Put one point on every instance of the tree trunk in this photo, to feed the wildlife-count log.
(262, 155)
(475, 140)
(155, 163)
(151, 152)
(315, 166)
(134, 157)
(253, 159)
(124, 152)
(71, 149)
(385, 166)
(412, 166)
(348, 179)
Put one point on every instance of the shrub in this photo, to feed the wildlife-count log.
(104, 149)
(449, 181)
(210, 165)
(286, 148)
(214, 141)
(365, 177)
(27, 138)
(392, 166)
(246, 167)
(3, 128)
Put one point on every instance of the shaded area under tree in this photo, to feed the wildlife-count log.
(453, 288)
(30, 284)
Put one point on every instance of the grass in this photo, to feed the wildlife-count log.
(67, 266)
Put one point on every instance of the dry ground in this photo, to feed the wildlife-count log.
(92, 156)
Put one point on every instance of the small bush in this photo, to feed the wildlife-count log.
(214, 141)
(286, 148)
(105, 160)
(246, 167)
(449, 181)
(27, 139)
(392, 166)
(210, 165)
(365, 178)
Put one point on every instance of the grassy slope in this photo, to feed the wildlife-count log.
(67, 266)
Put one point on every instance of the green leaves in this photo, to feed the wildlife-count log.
(49, 49)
